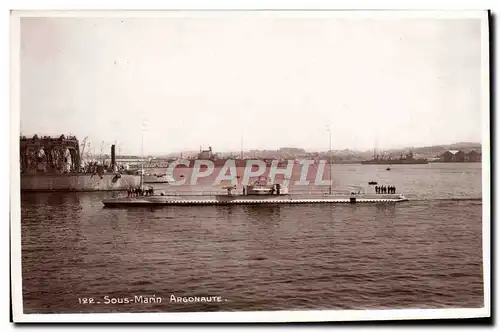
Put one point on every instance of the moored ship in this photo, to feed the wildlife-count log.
(407, 159)
(208, 155)
(54, 164)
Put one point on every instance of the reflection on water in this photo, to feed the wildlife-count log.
(262, 214)
(67, 200)
(387, 209)
(223, 211)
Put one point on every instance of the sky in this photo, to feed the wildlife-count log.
(267, 81)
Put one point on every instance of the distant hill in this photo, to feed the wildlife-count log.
(467, 144)
(344, 154)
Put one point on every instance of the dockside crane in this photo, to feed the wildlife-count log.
(82, 151)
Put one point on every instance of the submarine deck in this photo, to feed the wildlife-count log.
(246, 200)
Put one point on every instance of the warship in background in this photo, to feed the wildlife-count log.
(220, 162)
(407, 159)
(55, 164)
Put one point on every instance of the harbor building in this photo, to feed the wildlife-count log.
(456, 156)
(453, 156)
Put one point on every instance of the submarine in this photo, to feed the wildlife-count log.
(259, 193)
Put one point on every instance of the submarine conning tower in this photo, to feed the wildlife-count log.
(48, 154)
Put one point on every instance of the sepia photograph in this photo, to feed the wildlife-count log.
(249, 166)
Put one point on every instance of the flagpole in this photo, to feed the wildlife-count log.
(330, 153)
(144, 125)
(241, 147)
(331, 161)
(142, 158)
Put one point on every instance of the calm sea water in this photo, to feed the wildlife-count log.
(426, 253)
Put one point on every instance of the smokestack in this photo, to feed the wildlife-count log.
(113, 156)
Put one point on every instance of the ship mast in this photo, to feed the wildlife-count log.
(330, 153)
(144, 127)
(142, 160)
(82, 153)
(241, 147)
(102, 153)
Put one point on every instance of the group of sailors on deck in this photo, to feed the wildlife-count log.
(135, 192)
(385, 189)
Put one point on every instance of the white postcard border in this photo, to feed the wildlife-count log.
(259, 316)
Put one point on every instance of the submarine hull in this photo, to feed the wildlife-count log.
(247, 200)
